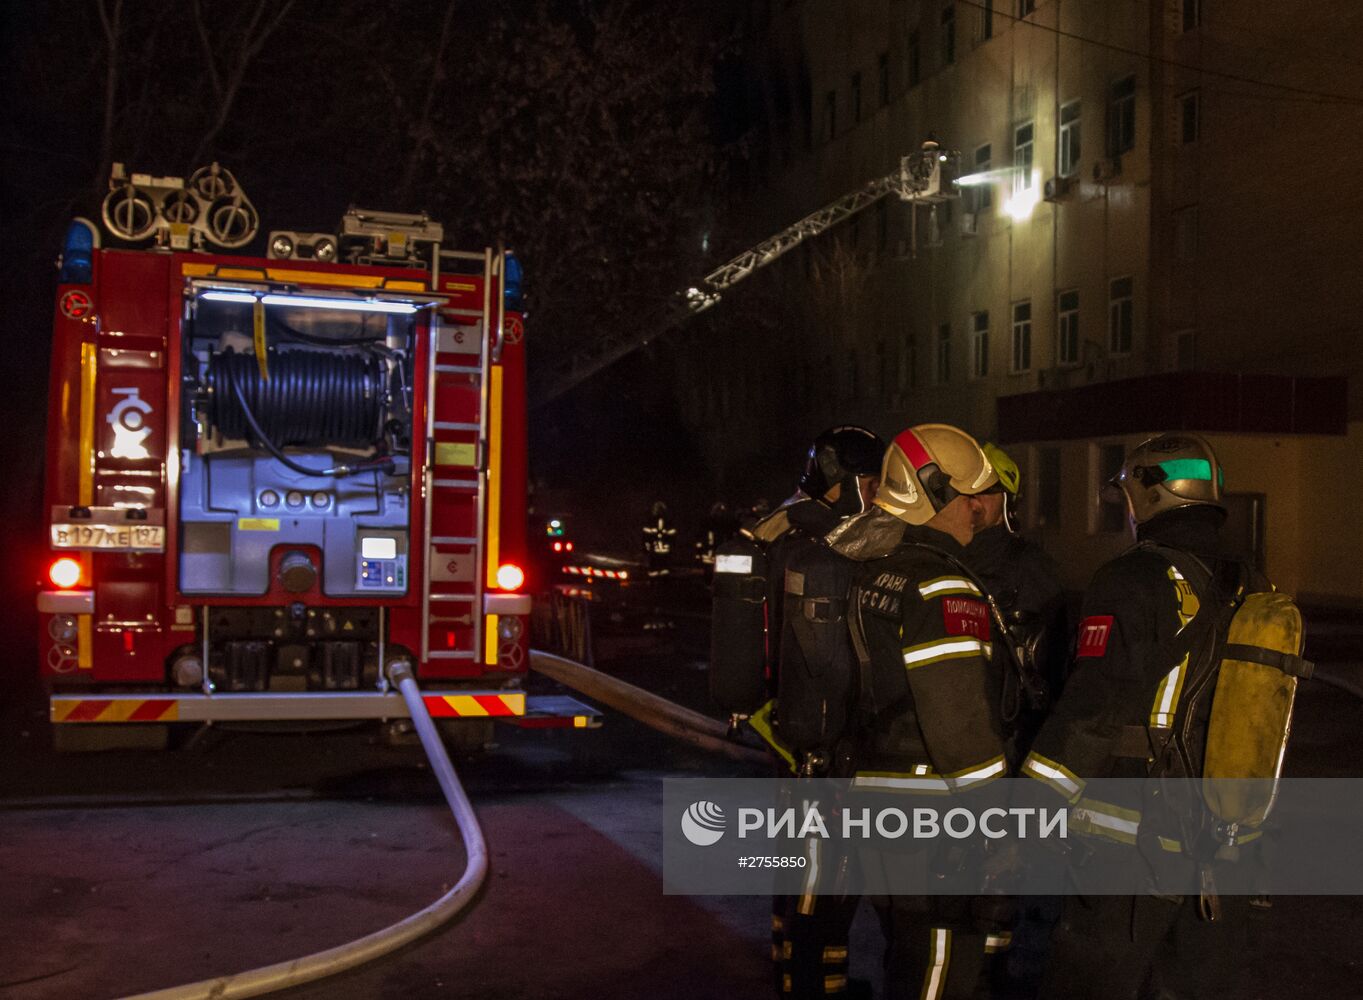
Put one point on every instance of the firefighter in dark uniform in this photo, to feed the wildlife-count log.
(810, 931)
(927, 717)
(1025, 583)
(659, 537)
(1116, 719)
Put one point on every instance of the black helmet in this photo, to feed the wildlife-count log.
(837, 456)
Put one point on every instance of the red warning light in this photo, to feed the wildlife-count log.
(64, 573)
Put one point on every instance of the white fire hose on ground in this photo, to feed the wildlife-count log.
(295, 972)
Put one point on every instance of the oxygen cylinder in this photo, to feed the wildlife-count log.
(738, 640)
(1251, 713)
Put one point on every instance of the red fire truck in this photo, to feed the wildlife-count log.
(269, 478)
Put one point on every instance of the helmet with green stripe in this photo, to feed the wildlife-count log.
(1168, 472)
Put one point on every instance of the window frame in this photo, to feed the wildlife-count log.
(1067, 328)
(830, 106)
(979, 345)
(1186, 233)
(1121, 116)
(1026, 151)
(947, 23)
(883, 78)
(1069, 139)
(943, 354)
(855, 88)
(982, 200)
(1121, 316)
(1189, 99)
(1190, 15)
(1021, 341)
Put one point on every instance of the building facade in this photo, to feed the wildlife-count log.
(1157, 228)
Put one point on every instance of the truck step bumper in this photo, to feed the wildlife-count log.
(511, 706)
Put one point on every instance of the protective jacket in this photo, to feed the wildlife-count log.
(791, 528)
(1133, 665)
(1025, 583)
(748, 594)
(923, 630)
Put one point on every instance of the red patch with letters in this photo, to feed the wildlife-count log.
(1094, 633)
(963, 616)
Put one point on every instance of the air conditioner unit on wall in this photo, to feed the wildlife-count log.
(1107, 169)
(970, 223)
(1057, 187)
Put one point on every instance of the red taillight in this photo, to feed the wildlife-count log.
(558, 546)
(64, 573)
(510, 576)
(568, 546)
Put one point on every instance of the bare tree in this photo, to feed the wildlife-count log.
(226, 71)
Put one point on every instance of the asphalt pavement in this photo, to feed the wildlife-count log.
(127, 871)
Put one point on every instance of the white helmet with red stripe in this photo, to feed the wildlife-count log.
(928, 466)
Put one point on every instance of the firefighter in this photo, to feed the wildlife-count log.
(1025, 583)
(720, 525)
(659, 536)
(809, 938)
(840, 477)
(926, 710)
(1123, 701)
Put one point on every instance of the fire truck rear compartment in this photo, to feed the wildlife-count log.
(315, 497)
(295, 482)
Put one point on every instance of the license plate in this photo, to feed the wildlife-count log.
(133, 537)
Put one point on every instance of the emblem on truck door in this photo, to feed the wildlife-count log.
(128, 418)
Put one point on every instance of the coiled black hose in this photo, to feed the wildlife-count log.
(312, 398)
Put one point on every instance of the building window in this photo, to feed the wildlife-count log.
(915, 59)
(986, 19)
(1022, 337)
(1185, 233)
(982, 198)
(1111, 513)
(944, 354)
(1189, 106)
(856, 97)
(830, 103)
(979, 345)
(908, 365)
(883, 76)
(1022, 157)
(1121, 116)
(948, 34)
(1067, 327)
(1048, 489)
(1069, 139)
(1119, 316)
(1185, 347)
(1192, 14)
(1026, 7)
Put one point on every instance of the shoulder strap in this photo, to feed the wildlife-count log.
(1029, 679)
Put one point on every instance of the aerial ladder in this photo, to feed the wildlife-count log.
(926, 177)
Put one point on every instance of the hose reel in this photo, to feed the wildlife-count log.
(311, 399)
